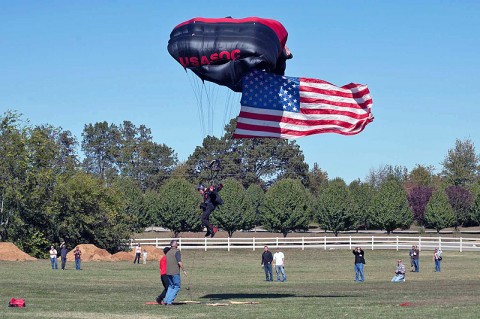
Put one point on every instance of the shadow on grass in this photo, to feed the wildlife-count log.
(268, 296)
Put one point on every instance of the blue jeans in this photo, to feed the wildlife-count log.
(398, 278)
(279, 269)
(359, 272)
(77, 264)
(416, 264)
(268, 272)
(54, 263)
(173, 288)
(437, 265)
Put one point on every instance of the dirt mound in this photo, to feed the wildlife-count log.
(91, 253)
(124, 256)
(10, 252)
(152, 254)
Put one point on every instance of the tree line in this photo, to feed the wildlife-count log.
(116, 181)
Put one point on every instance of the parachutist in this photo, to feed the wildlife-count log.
(211, 199)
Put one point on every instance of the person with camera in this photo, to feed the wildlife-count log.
(437, 258)
(399, 272)
(359, 262)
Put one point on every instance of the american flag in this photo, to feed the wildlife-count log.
(291, 107)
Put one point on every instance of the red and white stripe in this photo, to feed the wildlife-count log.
(324, 108)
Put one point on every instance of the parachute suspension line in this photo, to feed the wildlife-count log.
(233, 101)
(194, 84)
(209, 108)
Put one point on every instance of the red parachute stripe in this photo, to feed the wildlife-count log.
(276, 26)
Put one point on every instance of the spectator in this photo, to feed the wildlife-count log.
(145, 256)
(415, 259)
(138, 252)
(437, 258)
(163, 276)
(359, 262)
(174, 264)
(53, 257)
(399, 272)
(63, 254)
(77, 253)
(279, 260)
(267, 259)
(410, 253)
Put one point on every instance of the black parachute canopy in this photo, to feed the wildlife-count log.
(224, 50)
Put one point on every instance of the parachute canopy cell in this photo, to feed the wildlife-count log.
(224, 50)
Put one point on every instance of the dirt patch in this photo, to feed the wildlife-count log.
(91, 253)
(10, 252)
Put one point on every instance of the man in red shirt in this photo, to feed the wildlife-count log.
(163, 275)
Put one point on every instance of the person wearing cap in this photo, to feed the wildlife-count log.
(174, 264)
(53, 257)
(211, 199)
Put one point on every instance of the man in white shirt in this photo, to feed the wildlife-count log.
(279, 261)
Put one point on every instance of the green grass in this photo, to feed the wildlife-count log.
(320, 285)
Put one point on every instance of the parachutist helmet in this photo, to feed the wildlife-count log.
(200, 188)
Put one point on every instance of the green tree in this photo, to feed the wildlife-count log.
(461, 164)
(145, 161)
(49, 156)
(286, 207)
(390, 207)
(101, 147)
(13, 168)
(317, 180)
(335, 209)
(361, 194)
(87, 211)
(232, 215)
(421, 176)
(178, 207)
(132, 202)
(254, 196)
(438, 213)
(475, 208)
(251, 161)
(386, 172)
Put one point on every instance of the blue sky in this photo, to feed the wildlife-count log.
(70, 63)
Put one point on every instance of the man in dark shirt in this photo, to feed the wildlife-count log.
(211, 199)
(415, 259)
(359, 262)
(63, 254)
(267, 259)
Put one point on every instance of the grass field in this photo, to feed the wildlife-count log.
(320, 285)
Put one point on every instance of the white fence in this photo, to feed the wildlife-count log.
(346, 242)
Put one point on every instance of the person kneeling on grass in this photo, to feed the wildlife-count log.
(399, 273)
